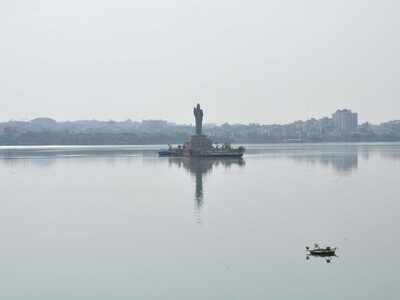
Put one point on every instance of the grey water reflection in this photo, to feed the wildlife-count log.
(343, 159)
(90, 222)
(342, 163)
(49, 152)
(46, 156)
(199, 168)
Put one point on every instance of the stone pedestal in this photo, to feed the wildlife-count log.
(197, 144)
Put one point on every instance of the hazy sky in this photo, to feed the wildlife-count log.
(245, 61)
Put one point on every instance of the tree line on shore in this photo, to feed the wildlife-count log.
(45, 131)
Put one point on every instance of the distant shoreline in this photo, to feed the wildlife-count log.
(44, 131)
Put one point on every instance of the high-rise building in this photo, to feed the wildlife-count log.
(345, 120)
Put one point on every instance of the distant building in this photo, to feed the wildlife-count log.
(345, 120)
(155, 124)
(325, 125)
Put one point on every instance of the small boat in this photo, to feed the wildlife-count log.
(318, 251)
(167, 152)
(164, 152)
(171, 151)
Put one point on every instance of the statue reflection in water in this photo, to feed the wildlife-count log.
(199, 167)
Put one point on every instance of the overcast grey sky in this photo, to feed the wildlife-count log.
(246, 61)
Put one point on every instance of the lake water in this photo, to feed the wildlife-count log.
(122, 223)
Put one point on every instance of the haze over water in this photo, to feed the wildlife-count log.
(122, 223)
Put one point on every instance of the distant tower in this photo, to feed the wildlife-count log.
(345, 120)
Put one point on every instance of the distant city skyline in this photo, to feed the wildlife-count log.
(342, 126)
(210, 117)
(331, 115)
(343, 119)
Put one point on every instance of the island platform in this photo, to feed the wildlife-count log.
(199, 145)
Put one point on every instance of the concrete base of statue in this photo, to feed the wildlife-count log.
(201, 146)
(197, 145)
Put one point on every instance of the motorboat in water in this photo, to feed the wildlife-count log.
(318, 251)
(171, 151)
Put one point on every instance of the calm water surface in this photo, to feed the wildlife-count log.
(121, 223)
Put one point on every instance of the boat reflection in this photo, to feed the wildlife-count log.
(200, 167)
(328, 259)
